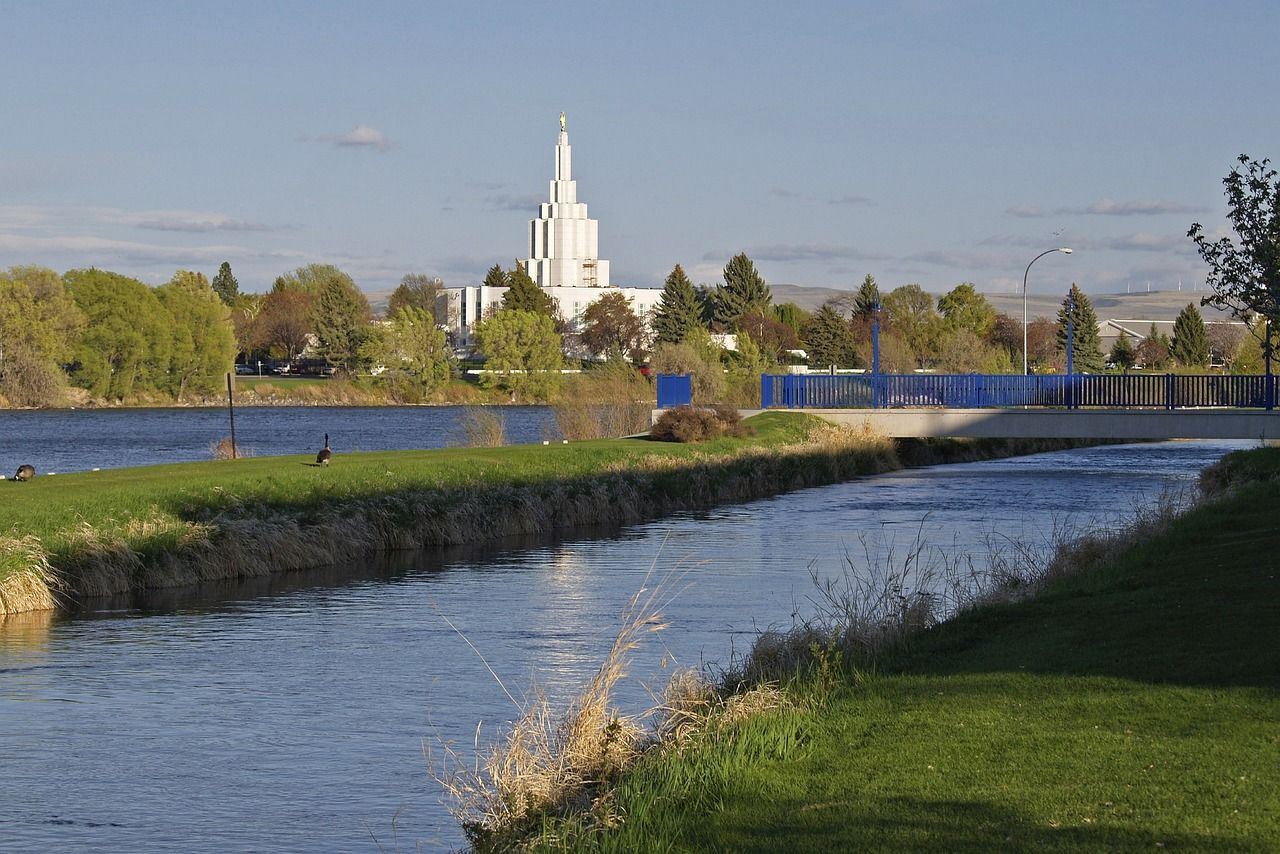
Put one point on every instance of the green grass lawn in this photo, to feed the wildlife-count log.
(1134, 707)
(56, 509)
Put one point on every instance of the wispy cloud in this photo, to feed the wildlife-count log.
(850, 199)
(512, 202)
(100, 250)
(961, 258)
(199, 223)
(360, 136)
(1109, 207)
(34, 217)
(1140, 241)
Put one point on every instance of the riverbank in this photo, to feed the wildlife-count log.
(73, 537)
(1132, 703)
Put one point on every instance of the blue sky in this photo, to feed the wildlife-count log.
(918, 141)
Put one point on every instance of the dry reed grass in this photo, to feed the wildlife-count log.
(484, 427)
(549, 761)
(604, 403)
(33, 586)
(221, 449)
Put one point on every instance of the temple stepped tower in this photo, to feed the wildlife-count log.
(563, 241)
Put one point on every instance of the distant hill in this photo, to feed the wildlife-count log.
(1157, 305)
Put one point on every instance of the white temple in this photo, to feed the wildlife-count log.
(563, 240)
(563, 259)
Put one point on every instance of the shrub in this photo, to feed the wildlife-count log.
(697, 424)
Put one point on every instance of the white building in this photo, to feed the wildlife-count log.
(563, 258)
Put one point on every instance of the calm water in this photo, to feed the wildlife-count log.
(63, 440)
(288, 714)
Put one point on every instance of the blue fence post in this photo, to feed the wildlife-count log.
(1168, 391)
(674, 390)
(766, 391)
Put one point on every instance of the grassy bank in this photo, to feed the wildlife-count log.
(110, 532)
(1132, 704)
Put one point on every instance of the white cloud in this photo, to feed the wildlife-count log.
(102, 250)
(799, 252)
(360, 136)
(1109, 207)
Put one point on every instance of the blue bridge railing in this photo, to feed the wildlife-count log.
(980, 391)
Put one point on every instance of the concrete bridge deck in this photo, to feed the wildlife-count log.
(1060, 423)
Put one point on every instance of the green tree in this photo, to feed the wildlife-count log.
(679, 310)
(203, 339)
(126, 340)
(964, 308)
(413, 346)
(1245, 277)
(1190, 346)
(496, 277)
(523, 294)
(867, 297)
(698, 356)
(1153, 351)
(225, 285)
(909, 311)
(417, 291)
(611, 328)
(38, 325)
(792, 315)
(522, 353)
(1086, 346)
(743, 290)
(1123, 354)
(828, 340)
(340, 312)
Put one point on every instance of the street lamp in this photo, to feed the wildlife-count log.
(1065, 251)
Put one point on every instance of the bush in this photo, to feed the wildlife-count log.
(698, 424)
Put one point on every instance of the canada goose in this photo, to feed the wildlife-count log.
(325, 454)
(25, 472)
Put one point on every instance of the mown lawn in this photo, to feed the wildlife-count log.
(1135, 707)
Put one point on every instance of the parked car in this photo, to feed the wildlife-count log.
(245, 370)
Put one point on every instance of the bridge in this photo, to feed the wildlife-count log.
(1071, 406)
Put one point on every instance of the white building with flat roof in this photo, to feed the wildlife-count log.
(564, 259)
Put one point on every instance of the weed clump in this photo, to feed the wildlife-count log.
(698, 424)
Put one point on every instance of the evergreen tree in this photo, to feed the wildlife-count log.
(679, 310)
(867, 297)
(496, 277)
(340, 316)
(1123, 354)
(225, 285)
(1190, 347)
(1086, 344)
(523, 294)
(743, 290)
(1153, 351)
(792, 315)
(828, 340)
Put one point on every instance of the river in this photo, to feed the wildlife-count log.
(65, 440)
(288, 714)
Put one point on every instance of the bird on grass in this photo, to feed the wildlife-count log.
(25, 472)
(325, 454)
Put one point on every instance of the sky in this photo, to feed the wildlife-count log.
(918, 141)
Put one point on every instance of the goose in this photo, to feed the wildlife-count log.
(325, 454)
(25, 472)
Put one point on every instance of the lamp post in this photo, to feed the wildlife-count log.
(1065, 251)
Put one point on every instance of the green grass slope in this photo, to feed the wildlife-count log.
(1134, 707)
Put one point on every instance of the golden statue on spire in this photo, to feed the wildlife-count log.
(562, 121)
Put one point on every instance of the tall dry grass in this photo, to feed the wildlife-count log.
(31, 584)
(605, 403)
(484, 427)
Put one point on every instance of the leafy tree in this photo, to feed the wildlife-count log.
(1224, 342)
(829, 340)
(416, 291)
(204, 344)
(1006, 333)
(867, 297)
(126, 340)
(1086, 345)
(743, 290)
(962, 351)
(225, 285)
(38, 322)
(340, 312)
(771, 336)
(522, 352)
(1042, 343)
(1190, 347)
(1245, 277)
(412, 345)
(1153, 351)
(612, 329)
(964, 308)
(283, 325)
(1123, 354)
(679, 310)
(496, 277)
(523, 294)
(792, 315)
(909, 311)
